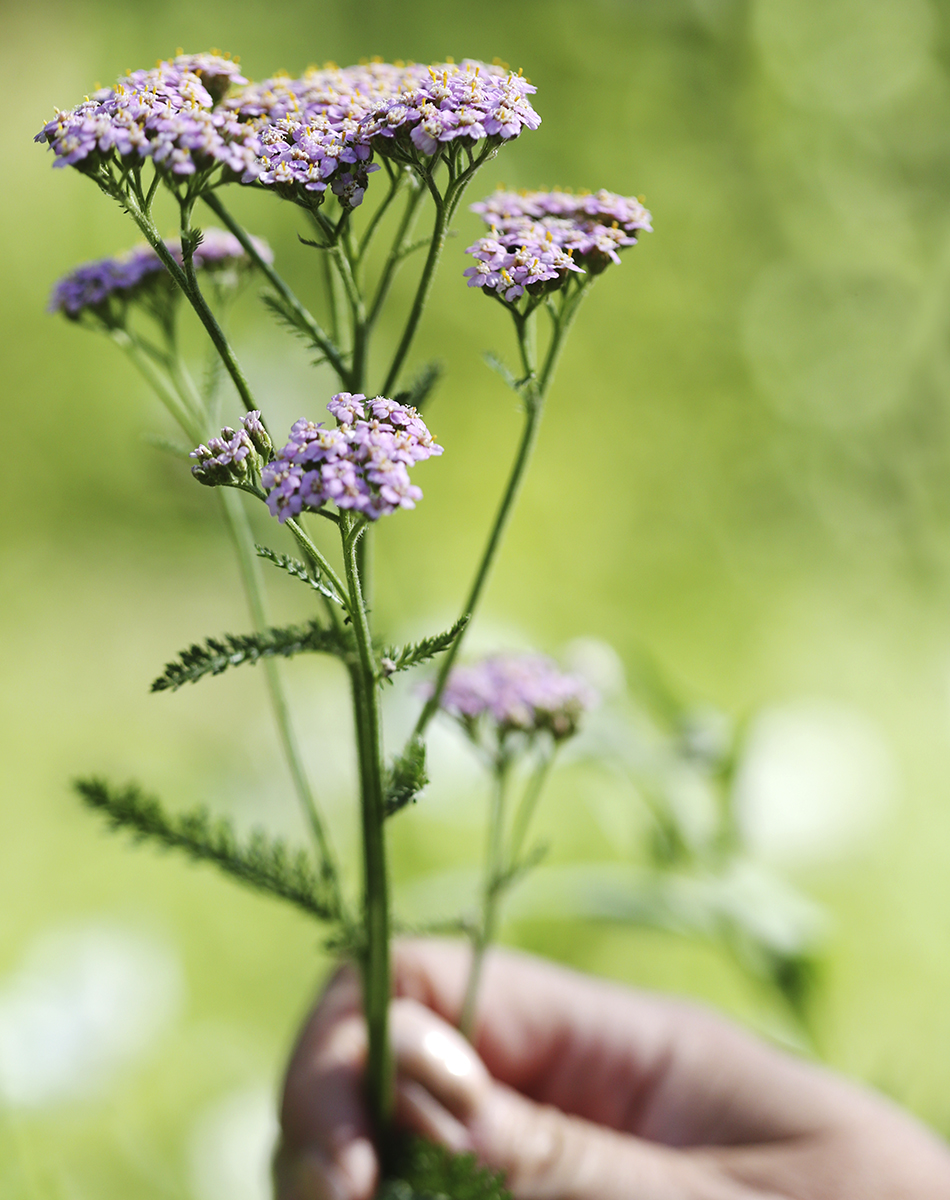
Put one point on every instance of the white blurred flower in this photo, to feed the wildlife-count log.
(814, 783)
(86, 1002)
(231, 1147)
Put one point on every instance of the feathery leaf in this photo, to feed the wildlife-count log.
(493, 361)
(294, 567)
(406, 777)
(421, 1170)
(259, 861)
(422, 386)
(236, 649)
(419, 652)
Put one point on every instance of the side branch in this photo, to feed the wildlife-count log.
(263, 863)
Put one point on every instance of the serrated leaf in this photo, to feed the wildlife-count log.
(290, 320)
(420, 1170)
(260, 862)
(406, 777)
(216, 655)
(422, 386)
(175, 449)
(415, 653)
(495, 363)
(294, 567)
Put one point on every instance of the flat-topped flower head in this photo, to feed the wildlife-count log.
(539, 238)
(104, 289)
(449, 102)
(361, 464)
(319, 132)
(169, 114)
(516, 693)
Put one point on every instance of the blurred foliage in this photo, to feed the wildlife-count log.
(743, 468)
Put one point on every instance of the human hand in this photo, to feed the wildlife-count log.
(584, 1090)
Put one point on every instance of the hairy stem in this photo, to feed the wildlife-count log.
(534, 388)
(375, 949)
(192, 292)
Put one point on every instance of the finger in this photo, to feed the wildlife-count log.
(618, 1057)
(440, 1079)
(546, 1154)
(446, 1094)
(327, 1147)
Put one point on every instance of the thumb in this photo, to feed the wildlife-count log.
(445, 1093)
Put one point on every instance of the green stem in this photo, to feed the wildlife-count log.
(321, 339)
(395, 183)
(342, 257)
(534, 389)
(243, 537)
(375, 949)
(491, 894)
(441, 224)
(445, 207)
(397, 253)
(333, 306)
(161, 387)
(526, 808)
(192, 292)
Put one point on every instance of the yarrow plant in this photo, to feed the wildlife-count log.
(190, 129)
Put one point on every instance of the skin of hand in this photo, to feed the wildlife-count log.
(585, 1090)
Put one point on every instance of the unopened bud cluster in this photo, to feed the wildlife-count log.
(235, 456)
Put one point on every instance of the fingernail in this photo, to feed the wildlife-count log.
(357, 1161)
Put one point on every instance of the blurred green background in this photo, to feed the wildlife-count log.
(743, 470)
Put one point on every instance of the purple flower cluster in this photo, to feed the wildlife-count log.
(123, 277)
(524, 693)
(362, 464)
(300, 136)
(319, 131)
(538, 238)
(510, 267)
(228, 458)
(170, 114)
(449, 102)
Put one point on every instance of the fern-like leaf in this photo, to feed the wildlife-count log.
(260, 862)
(294, 567)
(420, 652)
(285, 316)
(422, 386)
(406, 777)
(235, 649)
(495, 363)
(420, 1170)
